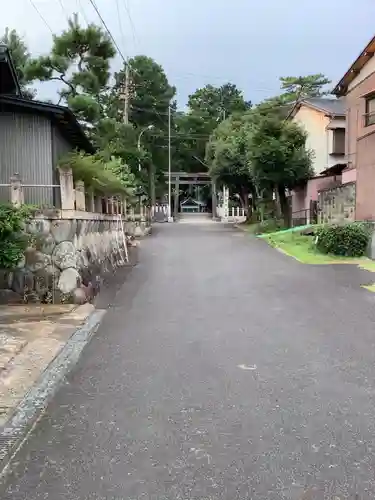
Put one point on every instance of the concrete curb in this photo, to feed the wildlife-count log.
(16, 430)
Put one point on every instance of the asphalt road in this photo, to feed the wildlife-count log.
(224, 370)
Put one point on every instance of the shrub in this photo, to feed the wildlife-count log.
(349, 240)
(270, 226)
(104, 176)
(13, 241)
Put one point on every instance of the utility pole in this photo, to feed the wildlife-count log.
(170, 219)
(126, 95)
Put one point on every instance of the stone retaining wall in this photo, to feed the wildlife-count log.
(337, 204)
(66, 258)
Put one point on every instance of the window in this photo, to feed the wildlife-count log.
(338, 146)
(370, 111)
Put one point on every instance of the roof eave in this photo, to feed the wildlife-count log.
(341, 89)
(56, 112)
(317, 108)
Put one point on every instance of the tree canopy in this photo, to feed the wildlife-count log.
(249, 148)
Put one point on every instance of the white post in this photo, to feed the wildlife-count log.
(16, 191)
(80, 196)
(67, 189)
(226, 203)
(233, 212)
(238, 211)
(170, 218)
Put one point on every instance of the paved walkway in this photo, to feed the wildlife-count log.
(30, 337)
(224, 370)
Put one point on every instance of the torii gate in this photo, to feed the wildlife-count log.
(191, 178)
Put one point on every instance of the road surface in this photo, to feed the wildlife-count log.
(224, 370)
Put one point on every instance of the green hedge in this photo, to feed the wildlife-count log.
(348, 240)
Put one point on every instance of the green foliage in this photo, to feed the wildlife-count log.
(227, 155)
(348, 240)
(278, 154)
(150, 97)
(218, 103)
(279, 158)
(13, 241)
(294, 88)
(301, 87)
(20, 57)
(270, 226)
(79, 59)
(108, 177)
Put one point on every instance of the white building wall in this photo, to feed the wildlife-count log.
(315, 123)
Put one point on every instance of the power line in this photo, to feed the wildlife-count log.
(119, 22)
(127, 8)
(63, 8)
(108, 31)
(80, 7)
(41, 15)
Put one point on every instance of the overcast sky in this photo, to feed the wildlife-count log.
(248, 42)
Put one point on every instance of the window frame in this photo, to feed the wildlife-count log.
(369, 115)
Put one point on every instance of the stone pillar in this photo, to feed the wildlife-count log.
(16, 191)
(91, 208)
(176, 197)
(67, 189)
(80, 196)
(214, 199)
(98, 208)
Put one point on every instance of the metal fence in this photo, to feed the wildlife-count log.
(305, 216)
(43, 196)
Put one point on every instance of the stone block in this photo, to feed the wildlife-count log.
(63, 230)
(46, 279)
(39, 226)
(23, 281)
(6, 278)
(47, 244)
(69, 280)
(36, 260)
(10, 297)
(64, 255)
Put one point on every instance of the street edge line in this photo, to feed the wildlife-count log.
(16, 430)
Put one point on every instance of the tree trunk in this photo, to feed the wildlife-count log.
(244, 197)
(284, 205)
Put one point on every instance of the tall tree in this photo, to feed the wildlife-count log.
(207, 107)
(150, 97)
(279, 158)
(218, 103)
(227, 155)
(296, 88)
(80, 60)
(21, 58)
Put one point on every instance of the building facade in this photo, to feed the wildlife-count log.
(358, 88)
(33, 137)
